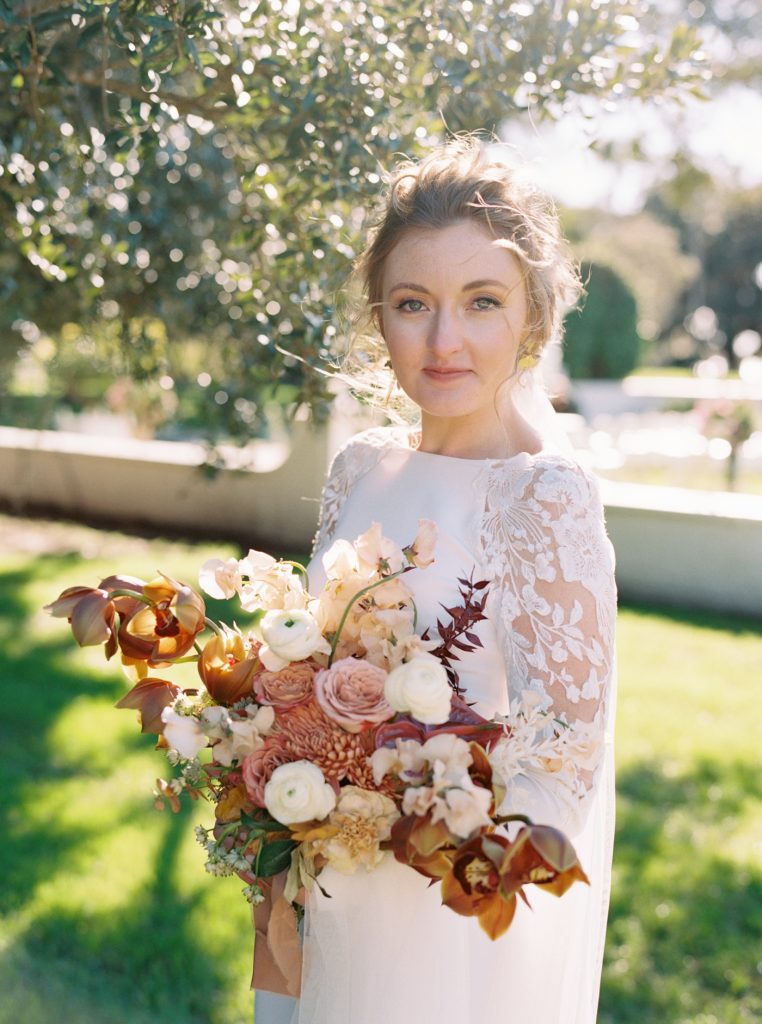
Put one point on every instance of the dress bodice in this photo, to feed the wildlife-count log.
(404, 487)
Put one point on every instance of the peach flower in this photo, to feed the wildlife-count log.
(259, 766)
(362, 820)
(421, 551)
(351, 693)
(291, 685)
(378, 554)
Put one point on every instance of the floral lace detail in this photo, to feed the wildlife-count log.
(357, 457)
(542, 533)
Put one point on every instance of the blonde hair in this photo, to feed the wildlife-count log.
(455, 182)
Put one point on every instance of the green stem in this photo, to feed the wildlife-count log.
(505, 818)
(358, 595)
(213, 626)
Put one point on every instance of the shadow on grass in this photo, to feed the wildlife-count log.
(727, 623)
(148, 963)
(686, 918)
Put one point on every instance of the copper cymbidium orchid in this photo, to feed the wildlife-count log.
(157, 622)
(150, 696)
(165, 628)
(489, 872)
(92, 611)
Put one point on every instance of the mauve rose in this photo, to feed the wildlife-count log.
(351, 693)
(292, 685)
(259, 766)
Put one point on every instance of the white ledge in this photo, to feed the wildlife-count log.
(681, 501)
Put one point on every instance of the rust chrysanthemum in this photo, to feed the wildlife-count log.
(307, 733)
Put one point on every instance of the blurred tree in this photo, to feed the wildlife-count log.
(733, 272)
(646, 253)
(601, 338)
(208, 164)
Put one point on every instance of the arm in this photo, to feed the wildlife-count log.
(556, 596)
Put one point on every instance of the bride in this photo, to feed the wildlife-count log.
(467, 278)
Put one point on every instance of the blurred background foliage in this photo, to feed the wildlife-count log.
(185, 184)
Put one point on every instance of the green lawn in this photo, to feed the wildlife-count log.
(107, 916)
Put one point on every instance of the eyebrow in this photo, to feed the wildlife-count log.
(411, 286)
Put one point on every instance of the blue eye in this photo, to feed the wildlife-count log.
(411, 306)
(484, 302)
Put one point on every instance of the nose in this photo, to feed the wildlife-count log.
(445, 336)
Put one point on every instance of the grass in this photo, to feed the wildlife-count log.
(106, 916)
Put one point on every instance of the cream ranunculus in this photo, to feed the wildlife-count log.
(289, 635)
(298, 792)
(420, 688)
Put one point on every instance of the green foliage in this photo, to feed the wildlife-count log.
(646, 253)
(210, 164)
(107, 916)
(601, 337)
(731, 269)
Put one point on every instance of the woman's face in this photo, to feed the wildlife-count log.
(453, 314)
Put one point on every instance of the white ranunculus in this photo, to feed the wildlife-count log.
(289, 635)
(420, 688)
(183, 733)
(298, 792)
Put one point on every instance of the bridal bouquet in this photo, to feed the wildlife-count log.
(328, 731)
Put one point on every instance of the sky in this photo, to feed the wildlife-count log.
(722, 134)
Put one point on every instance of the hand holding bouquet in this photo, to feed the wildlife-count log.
(328, 731)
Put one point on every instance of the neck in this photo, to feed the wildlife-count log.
(465, 439)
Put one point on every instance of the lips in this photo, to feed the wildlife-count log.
(445, 372)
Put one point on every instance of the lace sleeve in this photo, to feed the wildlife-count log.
(543, 532)
(357, 456)
(335, 491)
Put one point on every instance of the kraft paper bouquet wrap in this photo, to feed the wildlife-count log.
(329, 731)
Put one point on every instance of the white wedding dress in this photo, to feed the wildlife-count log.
(382, 949)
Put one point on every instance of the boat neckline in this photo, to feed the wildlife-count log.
(406, 439)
